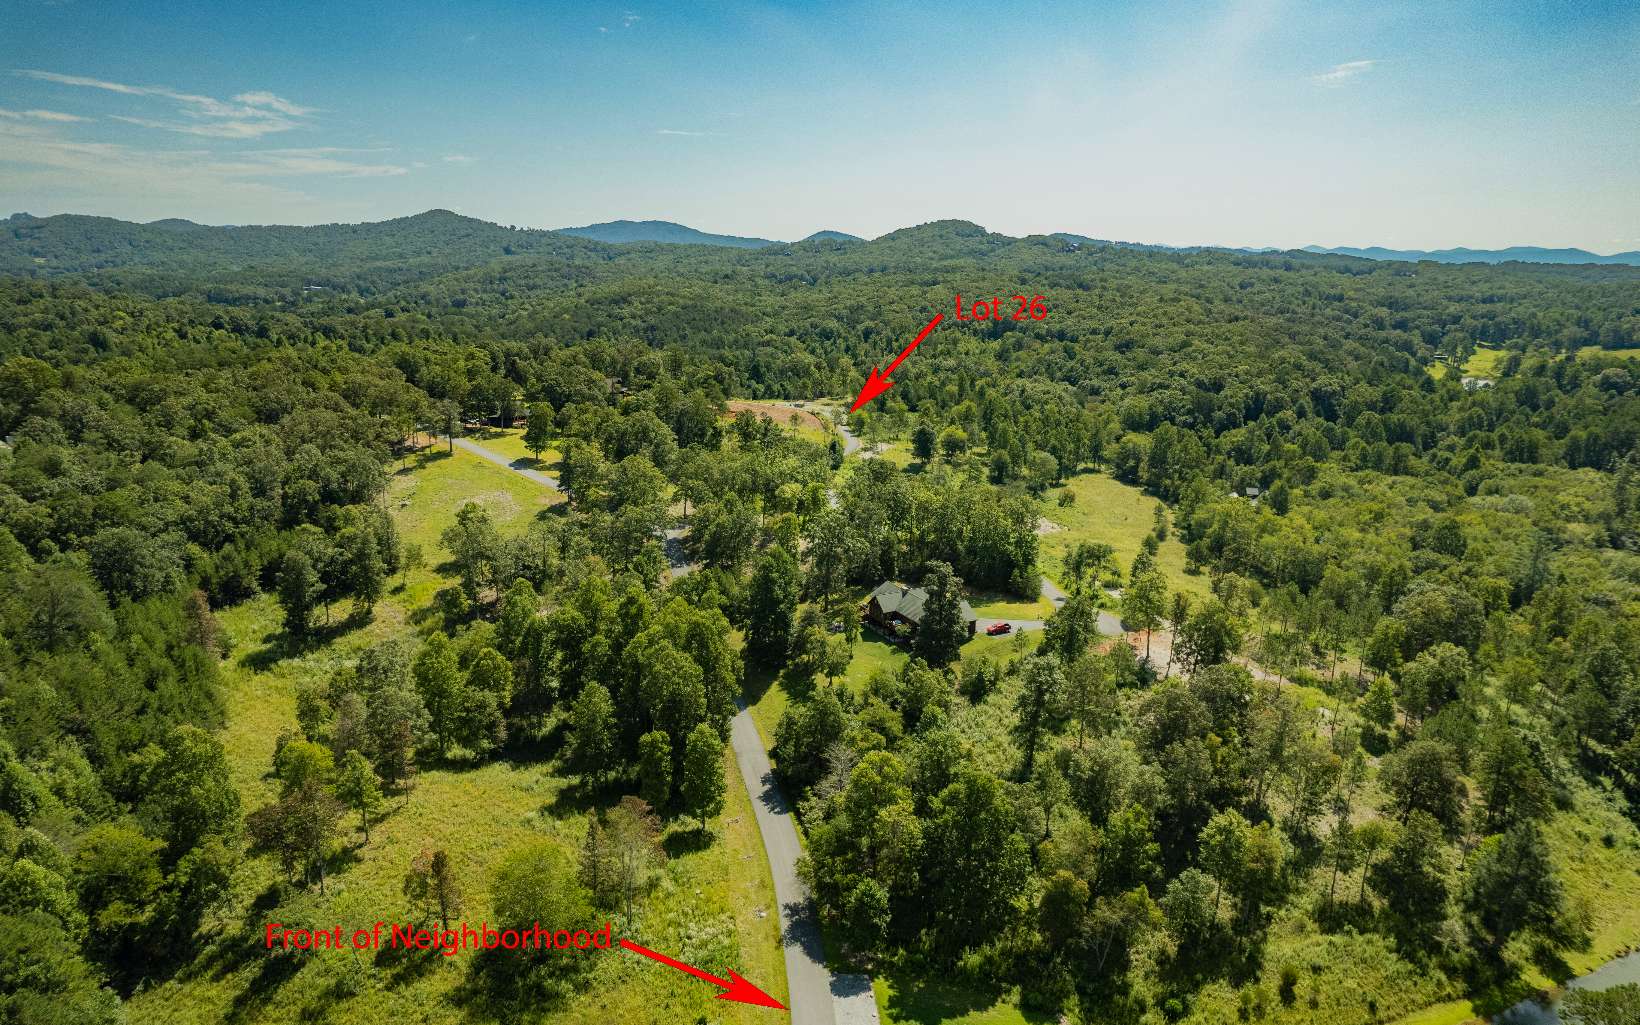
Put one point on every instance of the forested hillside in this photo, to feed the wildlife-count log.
(1367, 744)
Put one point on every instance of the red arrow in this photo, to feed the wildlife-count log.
(877, 383)
(734, 988)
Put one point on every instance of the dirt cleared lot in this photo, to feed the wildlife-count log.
(778, 412)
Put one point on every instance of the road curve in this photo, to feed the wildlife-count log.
(520, 466)
(1109, 623)
(808, 981)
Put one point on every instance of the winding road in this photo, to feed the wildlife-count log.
(816, 995)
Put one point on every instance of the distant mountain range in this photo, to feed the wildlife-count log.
(662, 231)
(1152, 247)
(681, 234)
(1524, 254)
(273, 262)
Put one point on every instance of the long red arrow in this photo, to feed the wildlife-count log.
(878, 383)
(734, 988)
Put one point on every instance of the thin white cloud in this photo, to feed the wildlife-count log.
(1338, 74)
(262, 98)
(38, 145)
(42, 115)
(248, 115)
(629, 19)
(90, 83)
(458, 158)
(680, 131)
(314, 150)
(213, 129)
(278, 165)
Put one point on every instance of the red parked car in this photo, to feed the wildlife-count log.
(999, 628)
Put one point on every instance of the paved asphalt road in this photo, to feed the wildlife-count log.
(808, 981)
(521, 466)
(676, 558)
(851, 444)
(1109, 623)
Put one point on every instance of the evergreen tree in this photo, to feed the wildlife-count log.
(1511, 886)
(1044, 681)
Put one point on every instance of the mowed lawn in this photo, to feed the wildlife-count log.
(509, 442)
(1120, 515)
(713, 904)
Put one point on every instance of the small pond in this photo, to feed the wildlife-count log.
(1612, 973)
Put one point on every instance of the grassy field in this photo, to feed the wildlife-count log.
(509, 442)
(1484, 363)
(898, 453)
(425, 497)
(1007, 606)
(714, 904)
(1590, 351)
(1488, 362)
(1118, 514)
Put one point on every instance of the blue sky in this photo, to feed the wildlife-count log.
(1271, 122)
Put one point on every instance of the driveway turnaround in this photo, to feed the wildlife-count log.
(808, 981)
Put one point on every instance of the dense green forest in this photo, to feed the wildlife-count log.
(1385, 754)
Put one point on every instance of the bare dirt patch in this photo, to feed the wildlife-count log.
(779, 413)
(1046, 526)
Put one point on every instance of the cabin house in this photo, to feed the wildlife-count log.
(895, 608)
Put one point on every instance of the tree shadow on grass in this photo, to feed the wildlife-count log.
(686, 838)
(404, 965)
(582, 795)
(233, 947)
(279, 645)
(929, 1001)
(757, 681)
(499, 986)
(277, 968)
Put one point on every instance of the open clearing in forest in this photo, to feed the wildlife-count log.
(780, 413)
(509, 442)
(1120, 515)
